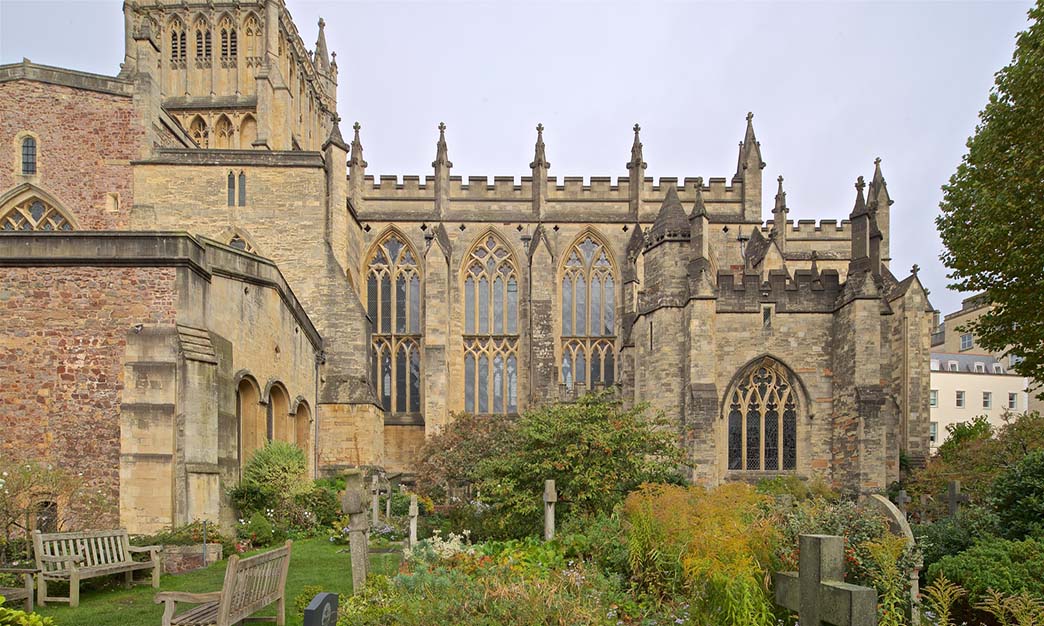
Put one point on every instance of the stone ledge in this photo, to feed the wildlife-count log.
(27, 70)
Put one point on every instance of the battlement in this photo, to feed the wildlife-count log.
(797, 294)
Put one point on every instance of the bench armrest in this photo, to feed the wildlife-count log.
(182, 596)
(19, 570)
(152, 550)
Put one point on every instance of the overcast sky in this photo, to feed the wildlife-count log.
(832, 85)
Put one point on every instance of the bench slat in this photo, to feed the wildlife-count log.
(199, 616)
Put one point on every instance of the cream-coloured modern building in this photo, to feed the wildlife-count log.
(966, 385)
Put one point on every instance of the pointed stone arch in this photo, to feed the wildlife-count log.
(393, 277)
(588, 285)
(762, 408)
(224, 132)
(247, 132)
(27, 207)
(240, 239)
(250, 420)
(199, 131)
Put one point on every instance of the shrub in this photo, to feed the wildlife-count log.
(14, 617)
(1007, 567)
(1018, 495)
(954, 534)
(600, 540)
(275, 485)
(279, 466)
(961, 434)
(303, 599)
(715, 548)
(257, 530)
(596, 452)
(795, 487)
(451, 455)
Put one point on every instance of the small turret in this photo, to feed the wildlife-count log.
(634, 248)
(668, 254)
(442, 166)
(878, 196)
(322, 55)
(671, 223)
(539, 166)
(636, 167)
(860, 216)
(779, 217)
(700, 224)
(748, 170)
(356, 169)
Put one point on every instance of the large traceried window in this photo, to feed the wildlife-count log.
(33, 214)
(393, 301)
(490, 328)
(762, 413)
(588, 315)
(177, 43)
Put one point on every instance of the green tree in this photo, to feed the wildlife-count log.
(1018, 495)
(594, 449)
(993, 205)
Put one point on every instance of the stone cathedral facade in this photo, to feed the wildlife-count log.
(194, 260)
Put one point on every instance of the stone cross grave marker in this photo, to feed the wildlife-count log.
(550, 497)
(322, 610)
(922, 513)
(387, 503)
(375, 497)
(414, 511)
(354, 505)
(954, 497)
(902, 500)
(817, 591)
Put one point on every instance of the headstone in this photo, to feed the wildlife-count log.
(387, 505)
(923, 514)
(899, 525)
(322, 610)
(817, 591)
(902, 500)
(354, 505)
(375, 494)
(550, 497)
(414, 511)
(954, 497)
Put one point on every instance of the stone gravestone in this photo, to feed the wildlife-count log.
(354, 506)
(954, 497)
(898, 524)
(550, 497)
(322, 610)
(387, 504)
(414, 511)
(902, 500)
(923, 514)
(817, 591)
(375, 494)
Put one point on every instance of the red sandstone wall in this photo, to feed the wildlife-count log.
(86, 142)
(62, 347)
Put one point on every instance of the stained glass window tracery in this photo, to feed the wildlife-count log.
(393, 302)
(762, 419)
(33, 214)
(491, 287)
(588, 315)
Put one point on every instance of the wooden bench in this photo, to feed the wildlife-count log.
(72, 557)
(23, 593)
(250, 585)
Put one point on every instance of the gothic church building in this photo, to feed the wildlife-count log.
(194, 260)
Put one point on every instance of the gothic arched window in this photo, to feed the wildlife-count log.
(393, 301)
(228, 40)
(223, 132)
(252, 29)
(199, 131)
(762, 419)
(203, 51)
(33, 214)
(588, 314)
(490, 328)
(177, 42)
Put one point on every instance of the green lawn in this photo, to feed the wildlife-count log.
(312, 562)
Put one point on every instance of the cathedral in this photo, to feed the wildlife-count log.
(195, 259)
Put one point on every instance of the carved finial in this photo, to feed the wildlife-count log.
(637, 160)
(357, 149)
(357, 126)
(916, 268)
(699, 182)
(780, 179)
(441, 151)
(815, 255)
(540, 129)
(539, 159)
(781, 199)
(750, 115)
(442, 128)
(322, 57)
(637, 128)
(877, 161)
(860, 203)
(860, 185)
(322, 23)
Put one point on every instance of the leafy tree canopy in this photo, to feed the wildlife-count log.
(993, 206)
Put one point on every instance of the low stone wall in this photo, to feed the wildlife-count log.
(178, 559)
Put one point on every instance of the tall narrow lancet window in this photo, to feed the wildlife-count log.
(228, 41)
(177, 43)
(242, 189)
(490, 278)
(28, 156)
(588, 315)
(762, 419)
(393, 301)
(231, 189)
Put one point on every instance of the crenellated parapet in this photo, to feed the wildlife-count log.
(807, 291)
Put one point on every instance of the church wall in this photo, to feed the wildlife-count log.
(86, 138)
(62, 363)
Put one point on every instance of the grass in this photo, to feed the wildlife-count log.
(312, 562)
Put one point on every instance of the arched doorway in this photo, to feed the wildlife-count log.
(252, 431)
(303, 430)
(280, 426)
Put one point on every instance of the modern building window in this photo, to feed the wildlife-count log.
(933, 433)
(762, 423)
(490, 328)
(966, 341)
(28, 156)
(980, 368)
(998, 368)
(1013, 401)
(933, 398)
(935, 365)
(588, 315)
(393, 301)
(1013, 360)
(952, 366)
(960, 399)
(987, 400)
